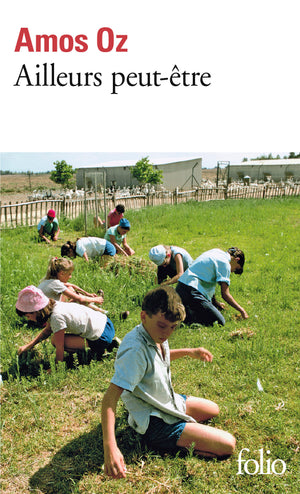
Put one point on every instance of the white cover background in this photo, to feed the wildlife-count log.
(250, 48)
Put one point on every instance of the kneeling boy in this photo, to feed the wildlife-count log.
(142, 376)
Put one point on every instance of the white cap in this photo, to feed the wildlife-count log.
(157, 254)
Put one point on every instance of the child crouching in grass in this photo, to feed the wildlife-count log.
(56, 285)
(71, 326)
(168, 421)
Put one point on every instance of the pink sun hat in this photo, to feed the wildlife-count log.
(31, 299)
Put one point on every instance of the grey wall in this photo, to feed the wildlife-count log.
(182, 174)
(259, 170)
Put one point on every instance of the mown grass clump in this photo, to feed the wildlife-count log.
(51, 432)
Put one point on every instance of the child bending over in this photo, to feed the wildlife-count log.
(55, 285)
(167, 420)
(71, 326)
(197, 285)
(88, 248)
(171, 262)
(117, 235)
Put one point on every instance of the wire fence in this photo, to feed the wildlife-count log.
(30, 213)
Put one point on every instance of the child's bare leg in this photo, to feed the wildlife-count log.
(98, 222)
(201, 409)
(207, 441)
(72, 342)
(94, 307)
(64, 298)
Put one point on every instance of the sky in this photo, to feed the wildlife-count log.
(43, 162)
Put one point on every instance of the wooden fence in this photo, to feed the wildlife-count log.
(30, 213)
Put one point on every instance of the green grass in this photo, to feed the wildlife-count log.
(51, 431)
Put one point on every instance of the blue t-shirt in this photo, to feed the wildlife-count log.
(49, 226)
(207, 270)
(186, 258)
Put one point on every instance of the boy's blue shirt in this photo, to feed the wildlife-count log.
(206, 271)
(145, 377)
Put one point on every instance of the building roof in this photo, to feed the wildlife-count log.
(282, 162)
(122, 163)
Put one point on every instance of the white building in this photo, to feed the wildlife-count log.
(280, 169)
(182, 174)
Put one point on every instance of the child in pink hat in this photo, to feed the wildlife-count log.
(71, 326)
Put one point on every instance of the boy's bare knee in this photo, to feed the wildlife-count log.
(228, 445)
(215, 410)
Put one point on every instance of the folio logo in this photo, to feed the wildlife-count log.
(263, 467)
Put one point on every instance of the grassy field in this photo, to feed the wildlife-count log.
(51, 431)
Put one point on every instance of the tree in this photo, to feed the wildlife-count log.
(144, 172)
(62, 174)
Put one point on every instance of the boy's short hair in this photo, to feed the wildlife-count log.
(166, 300)
(236, 252)
(120, 208)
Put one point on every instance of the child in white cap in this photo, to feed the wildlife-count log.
(72, 326)
(171, 262)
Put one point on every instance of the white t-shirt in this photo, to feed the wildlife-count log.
(52, 288)
(93, 246)
(77, 319)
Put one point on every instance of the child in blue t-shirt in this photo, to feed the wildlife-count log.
(48, 226)
(196, 286)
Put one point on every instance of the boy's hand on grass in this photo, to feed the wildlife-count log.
(201, 354)
(244, 314)
(114, 464)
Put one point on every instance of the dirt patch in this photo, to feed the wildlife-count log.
(16, 187)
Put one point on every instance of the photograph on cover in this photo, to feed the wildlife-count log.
(116, 268)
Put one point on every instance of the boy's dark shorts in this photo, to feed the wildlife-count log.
(162, 436)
